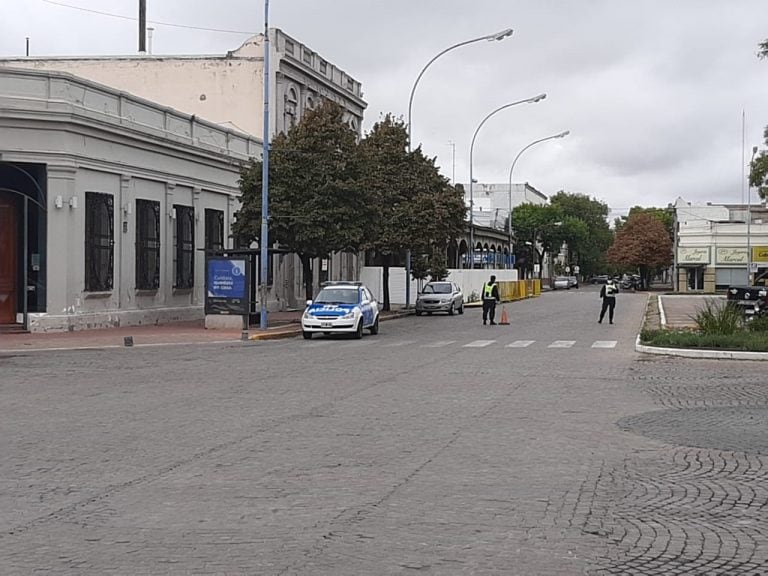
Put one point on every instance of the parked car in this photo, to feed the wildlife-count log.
(440, 297)
(561, 283)
(601, 279)
(573, 282)
(341, 307)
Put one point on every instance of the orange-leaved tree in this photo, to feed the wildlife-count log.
(642, 243)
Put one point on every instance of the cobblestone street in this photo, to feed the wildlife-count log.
(440, 446)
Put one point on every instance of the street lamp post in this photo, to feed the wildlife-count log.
(264, 238)
(509, 217)
(533, 100)
(498, 36)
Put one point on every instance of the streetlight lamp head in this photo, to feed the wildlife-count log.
(501, 35)
(536, 98)
(563, 134)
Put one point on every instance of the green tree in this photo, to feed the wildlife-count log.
(758, 172)
(438, 267)
(642, 244)
(416, 207)
(316, 204)
(535, 226)
(585, 250)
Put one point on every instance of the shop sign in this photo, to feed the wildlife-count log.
(760, 254)
(698, 255)
(731, 255)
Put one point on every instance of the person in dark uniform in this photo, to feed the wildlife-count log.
(490, 297)
(608, 294)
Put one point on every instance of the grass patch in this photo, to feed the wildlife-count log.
(752, 341)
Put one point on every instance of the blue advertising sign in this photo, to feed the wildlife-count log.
(226, 286)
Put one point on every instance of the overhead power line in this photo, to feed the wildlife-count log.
(156, 22)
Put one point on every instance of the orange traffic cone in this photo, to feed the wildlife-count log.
(504, 316)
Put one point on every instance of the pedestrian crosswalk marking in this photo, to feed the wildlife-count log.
(479, 344)
(562, 344)
(439, 344)
(400, 343)
(604, 344)
(520, 343)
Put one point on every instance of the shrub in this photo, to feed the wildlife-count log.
(718, 317)
(759, 324)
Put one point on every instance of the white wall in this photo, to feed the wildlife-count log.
(469, 281)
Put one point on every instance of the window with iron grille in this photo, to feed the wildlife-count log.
(214, 229)
(147, 245)
(99, 241)
(184, 242)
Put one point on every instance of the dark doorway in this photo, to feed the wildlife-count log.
(23, 222)
(9, 263)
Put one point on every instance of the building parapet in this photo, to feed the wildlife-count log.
(26, 89)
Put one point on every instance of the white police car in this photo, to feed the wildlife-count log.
(343, 307)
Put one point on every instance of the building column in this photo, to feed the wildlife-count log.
(65, 240)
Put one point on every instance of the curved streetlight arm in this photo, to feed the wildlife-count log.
(498, 36)
(533, 100)
(511, 169)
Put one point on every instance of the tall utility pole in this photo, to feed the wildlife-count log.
(142, 26)
(264, 238)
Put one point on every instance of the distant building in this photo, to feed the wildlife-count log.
(227, 89)
(492, 201)
(714, 243)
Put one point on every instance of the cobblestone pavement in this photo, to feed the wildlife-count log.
(432, 448)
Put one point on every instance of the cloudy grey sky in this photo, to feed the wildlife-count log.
(652, 91)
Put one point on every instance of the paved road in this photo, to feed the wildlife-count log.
(440, 446)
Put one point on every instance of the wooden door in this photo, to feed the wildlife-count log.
(8, 258)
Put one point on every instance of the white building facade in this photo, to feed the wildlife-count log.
(107, 203)
(717, 248)
(228, 90)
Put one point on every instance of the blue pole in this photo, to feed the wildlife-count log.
(264, 241)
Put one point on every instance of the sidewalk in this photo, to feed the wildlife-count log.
(281, 325)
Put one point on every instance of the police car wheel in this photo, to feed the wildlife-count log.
(461, 309)
(450, 310)
(375, 327)
(418, 312)
(307, 335)
(359, 331)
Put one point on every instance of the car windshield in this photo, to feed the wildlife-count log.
(337, 296)
(443, 288)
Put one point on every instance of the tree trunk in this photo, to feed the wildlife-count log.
(306, 267)
(385, 279)
(540, 258)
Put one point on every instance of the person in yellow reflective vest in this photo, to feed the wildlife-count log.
(490, 297)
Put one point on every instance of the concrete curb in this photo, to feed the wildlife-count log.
(294, 331)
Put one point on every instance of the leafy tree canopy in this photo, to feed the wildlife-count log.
(316, 204)
(585, 248)
(643, 243)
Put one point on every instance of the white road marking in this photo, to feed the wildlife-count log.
(562, 344)
(400, 343)
(521, 344)
(439, 344)
(479, 344)
(604, 344)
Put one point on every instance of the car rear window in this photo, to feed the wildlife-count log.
(437, 289)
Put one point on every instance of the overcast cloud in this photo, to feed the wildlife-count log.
(652, 91)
